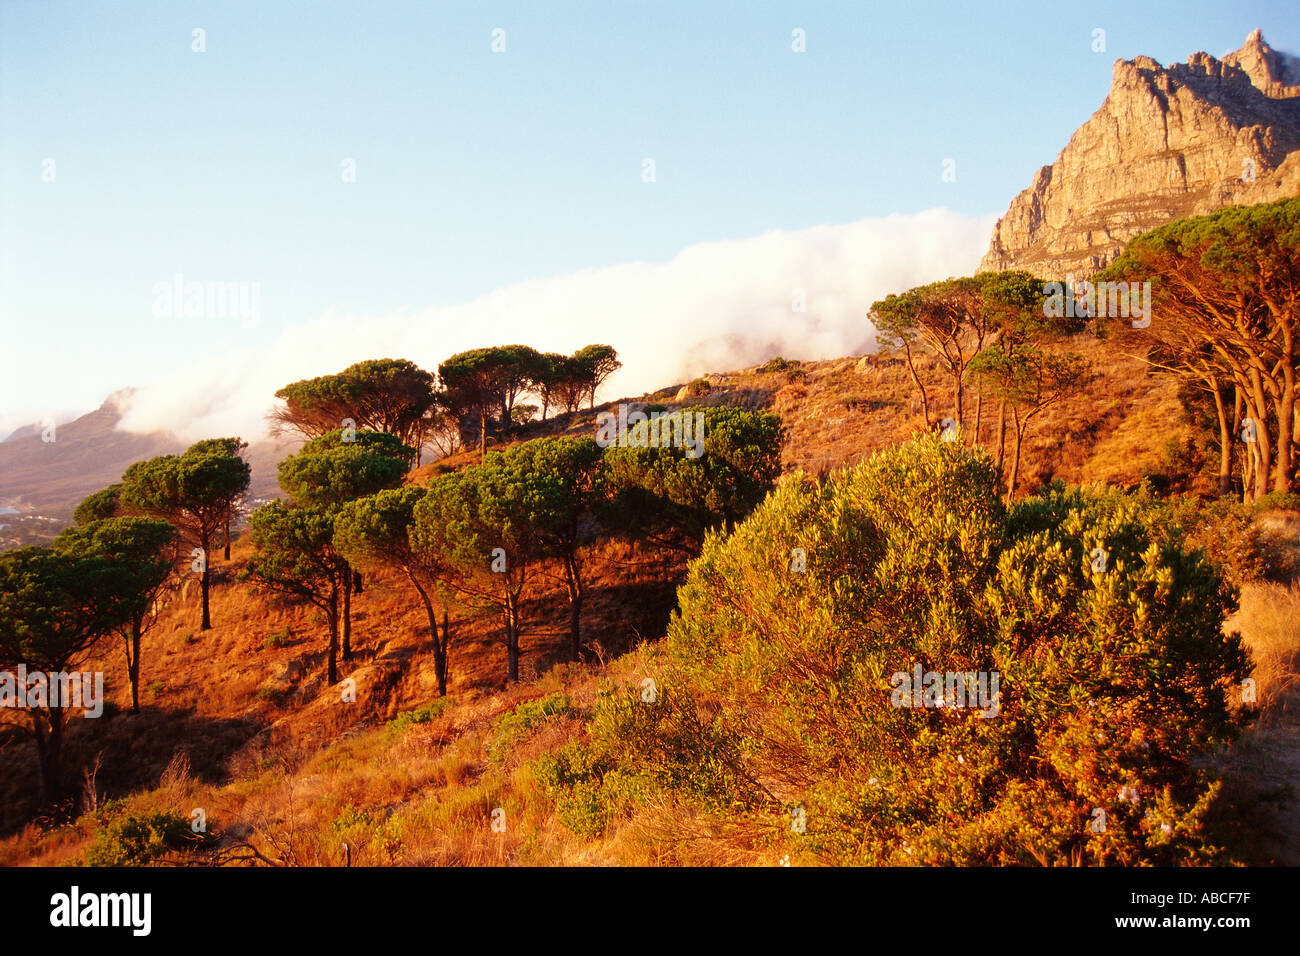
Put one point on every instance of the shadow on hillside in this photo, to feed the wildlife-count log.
(616, 617)
(133, 751)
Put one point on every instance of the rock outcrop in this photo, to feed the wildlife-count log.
(1166, 143)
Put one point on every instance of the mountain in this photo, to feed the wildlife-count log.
(1168, 142)
(41, 482)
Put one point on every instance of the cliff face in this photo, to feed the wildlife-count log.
(1166, 143)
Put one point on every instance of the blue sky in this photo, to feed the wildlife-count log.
(478, 170)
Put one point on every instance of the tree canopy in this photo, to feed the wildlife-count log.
(393, 396)
(195, 491)
(1225, 306)
(141, 555)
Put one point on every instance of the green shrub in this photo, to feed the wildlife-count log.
(142, 839)
(777, 364)
(637, 748)
(277, 640)
(529, 715)
(273, 695)
(783, 665)
(420, 715)
(699, 387)
(662, 492)
(1277, 501)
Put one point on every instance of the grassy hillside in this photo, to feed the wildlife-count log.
(238, 720)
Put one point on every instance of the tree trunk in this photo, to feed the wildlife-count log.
(443, 661)
(482, 433)
(1285, 424)
(573, 575)
(439, 644)
(347, 614)
(133, 667)
(204, 588)
(1248, 453)
(227, 552)
(47, 723)
(1225, 441)
(1258, 410)
(916, 379)
(332, 612)
(512, 637)
(979, 416)
(1015, 466)
(1002, 438)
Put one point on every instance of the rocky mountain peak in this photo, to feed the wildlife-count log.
(1167, 142)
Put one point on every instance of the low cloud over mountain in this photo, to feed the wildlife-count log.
(716, 305)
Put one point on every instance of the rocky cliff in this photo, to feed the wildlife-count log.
(1166, 143)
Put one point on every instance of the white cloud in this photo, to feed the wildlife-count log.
(716, 306)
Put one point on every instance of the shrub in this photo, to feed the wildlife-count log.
(516, 725)
(1232, 538)
(142, 839)
(636, 749)
(797, 631)
(777, 364)
(271, 694)
(699, 387)
(420, 715)
(277, 640)
(1277, 501)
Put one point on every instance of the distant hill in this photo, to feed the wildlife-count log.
(43, 482)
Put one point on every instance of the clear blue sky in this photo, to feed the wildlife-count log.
(475, 169)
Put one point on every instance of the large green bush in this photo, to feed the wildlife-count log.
(1100, 625)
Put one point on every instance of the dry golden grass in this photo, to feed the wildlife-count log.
(1269, 622)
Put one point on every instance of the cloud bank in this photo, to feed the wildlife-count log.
(716, 306)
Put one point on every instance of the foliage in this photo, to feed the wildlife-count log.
(780, 687)
(145, 839)
(195, 491)
(524, 718)
(419, 715)
(140, 553)
(52, 607)
(340, 466)
(663, 491)
(104, 503)
(294, 554)
(392, 396)
(1225, 291)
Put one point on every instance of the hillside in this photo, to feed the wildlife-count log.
(239, 721)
